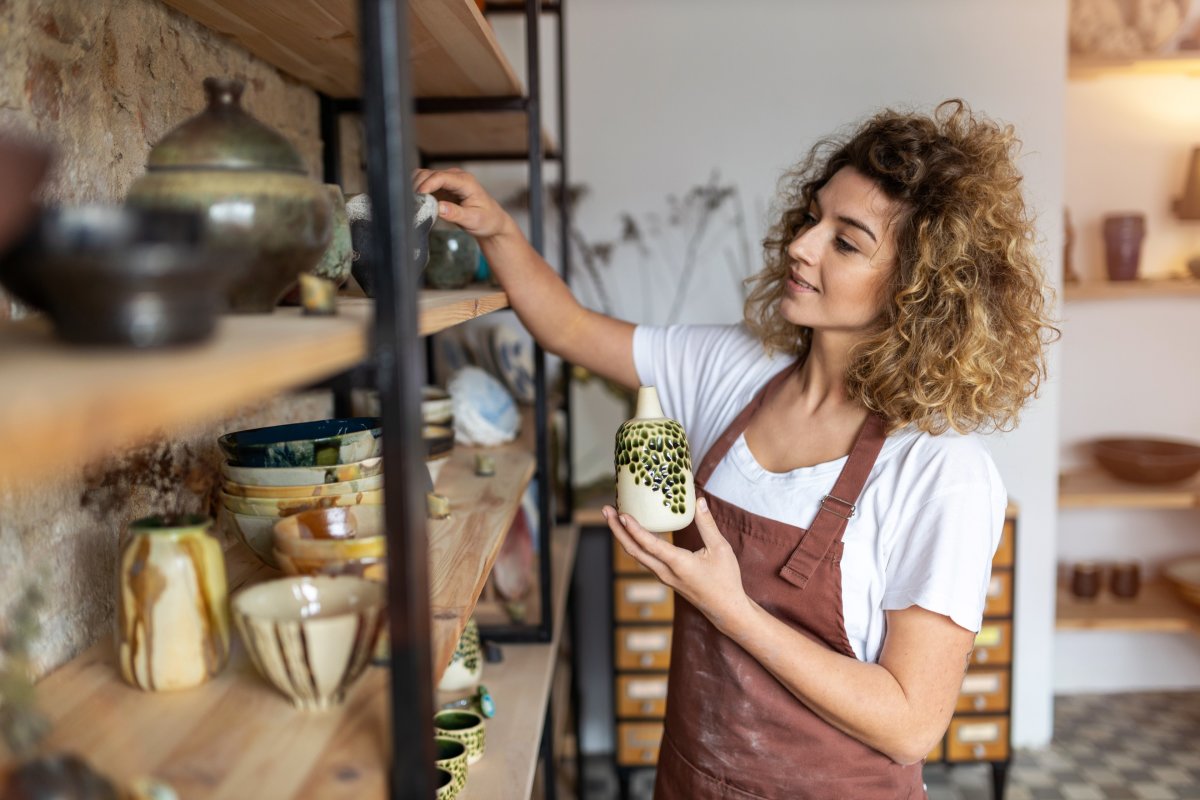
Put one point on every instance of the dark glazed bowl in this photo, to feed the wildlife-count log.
(109, 275)
(1148, 460)
(305, 444)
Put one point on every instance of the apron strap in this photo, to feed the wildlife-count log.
(837, 507)
(721, 446)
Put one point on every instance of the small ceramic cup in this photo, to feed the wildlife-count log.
(466, 665)
(465, 726)
(452, 757)
(445, 786)
(1086, 579)
(1125, 579)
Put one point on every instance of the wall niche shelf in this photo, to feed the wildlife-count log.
(1091, 488)
(1120, 290)
(1087, 68)
(1157, 609)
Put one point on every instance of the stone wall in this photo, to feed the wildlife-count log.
(103, 80)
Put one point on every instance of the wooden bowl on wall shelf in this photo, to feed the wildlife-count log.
(1148, 460)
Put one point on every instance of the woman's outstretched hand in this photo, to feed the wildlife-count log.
(463, 201)
(710, 578)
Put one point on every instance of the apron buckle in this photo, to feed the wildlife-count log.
(850, 506)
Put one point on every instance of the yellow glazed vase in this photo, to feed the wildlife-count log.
(654, 468)
(172, 612)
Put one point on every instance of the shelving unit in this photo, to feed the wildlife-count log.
(1119, 290)
(1091, 488)
(1081, 68)
(235, 736)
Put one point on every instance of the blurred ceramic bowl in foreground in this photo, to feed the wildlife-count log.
(1148, 460)
(257, 533)
(288, 506)
(311, 637)
(321, 443)
(331, 534)
(302, 476)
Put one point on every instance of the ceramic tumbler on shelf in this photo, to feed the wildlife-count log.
(1123, 234)
(466, 665)
(172, 614)
(654, 468)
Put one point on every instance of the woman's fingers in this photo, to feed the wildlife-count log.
(710, 534)
(634, 547)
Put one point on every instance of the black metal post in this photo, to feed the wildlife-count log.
(564, 246)
(387, 102)
(331, 141)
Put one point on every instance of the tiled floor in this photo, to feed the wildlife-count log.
(1143, 746)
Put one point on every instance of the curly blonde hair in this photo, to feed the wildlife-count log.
(960, 341)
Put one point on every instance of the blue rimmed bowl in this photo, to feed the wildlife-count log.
(305, 444)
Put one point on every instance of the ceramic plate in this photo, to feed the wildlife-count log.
(513, 354)
(302, 476)
(322, 443)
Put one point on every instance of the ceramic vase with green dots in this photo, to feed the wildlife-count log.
(654, 468)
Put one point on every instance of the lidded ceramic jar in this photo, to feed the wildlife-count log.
(253, 189)
(172, 610)
(654, 468)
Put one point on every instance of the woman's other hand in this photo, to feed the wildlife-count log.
(463, 201)
(710, 578)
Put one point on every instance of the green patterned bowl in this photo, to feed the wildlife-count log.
(323, 443)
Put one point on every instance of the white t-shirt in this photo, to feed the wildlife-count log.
(929, 518)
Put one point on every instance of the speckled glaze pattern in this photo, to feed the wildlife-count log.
(172, 615)
(466, 665)
(452, 757)
(654, 468)
(284, 218)
(338, 257)
(465, 726)
(323, 443)
(302, 476)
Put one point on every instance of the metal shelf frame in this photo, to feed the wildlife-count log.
(397, 368)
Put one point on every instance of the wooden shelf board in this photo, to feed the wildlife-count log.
(64, 405)
(1080, 67)
(445, 309)
(452, 49)
(463, 548)
(1092, 488)
(521, 686)
(1157, 609)
(1117, 290)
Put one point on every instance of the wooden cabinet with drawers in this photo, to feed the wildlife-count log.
(643, 609)
(979, 730)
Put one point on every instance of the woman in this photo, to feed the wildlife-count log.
(829, 591)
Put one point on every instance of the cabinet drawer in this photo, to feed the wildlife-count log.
(993, 643)
(977, 739)
(642, 600)
(984, 690)
(625, 564)
(1004, 552)
(642, 696)
(637, 743)
(938, 751)
(999, 594)
(643, 647)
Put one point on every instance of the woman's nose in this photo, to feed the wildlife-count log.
(802, 247)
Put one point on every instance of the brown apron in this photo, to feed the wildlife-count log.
(734, 731)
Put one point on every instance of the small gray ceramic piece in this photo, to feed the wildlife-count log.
(453, 259)
(358, 210)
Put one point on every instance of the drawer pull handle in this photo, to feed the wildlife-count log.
(644, 611)
(647, 660)
(981, 656)
(980, 703)
(979, 751)
(647, 708)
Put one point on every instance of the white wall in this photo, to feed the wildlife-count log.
(663, 93)
(1129, 366)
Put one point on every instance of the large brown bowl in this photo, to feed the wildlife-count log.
(1148, 460)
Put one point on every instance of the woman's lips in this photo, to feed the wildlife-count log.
(800, 286)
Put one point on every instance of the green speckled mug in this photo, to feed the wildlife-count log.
(464, 726)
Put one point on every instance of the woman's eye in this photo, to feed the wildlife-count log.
(809, 219)
(844, 246)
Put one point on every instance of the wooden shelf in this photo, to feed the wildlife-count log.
(236, 737)
(64, 405)
(1118, 290)
(1082, 68)
(521, 685)
(1158, 608)
(1092, 488)
(452, 48)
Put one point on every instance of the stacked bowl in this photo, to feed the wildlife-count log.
(280, 471)
(332, 541)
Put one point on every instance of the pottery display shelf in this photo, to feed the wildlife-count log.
(1119, 290)
(63, 405)
(237, 737)
(1090, 487)
(454, 53)
(1158, 608)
